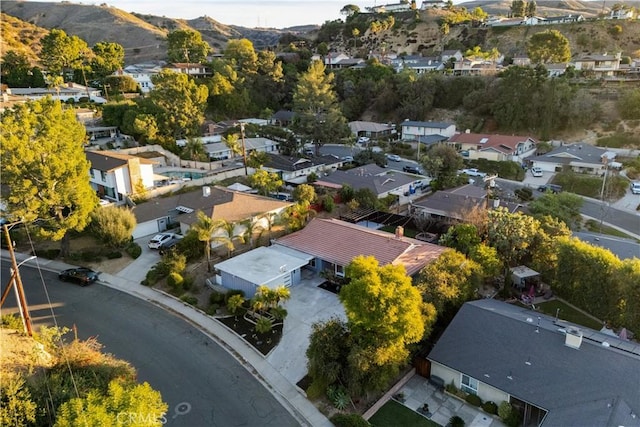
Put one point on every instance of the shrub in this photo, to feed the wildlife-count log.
(231, 293)
(216, 297)
(315, 390)
(338, 397)
(49, 253)
(133, 250)
(490, 407)
(349, 420)
(191, 300)
(504, 410)
(213, 309)
(234, 303)
(524, 194)
(113, 225)
(327, 203)
(89, 256)
(114, 255)
(474, 400)
(190, 246)
(263, 325)
(175, 280)
(312, 177)
(188, 283)
(11, 321)
(456, 421)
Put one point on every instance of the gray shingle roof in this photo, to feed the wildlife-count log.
(594, 385)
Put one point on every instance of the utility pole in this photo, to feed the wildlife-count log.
(244, 151)
(602, 191)
(15, 281)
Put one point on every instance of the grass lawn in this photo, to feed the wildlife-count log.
(594, 226)
(394, 414)
(568, 313)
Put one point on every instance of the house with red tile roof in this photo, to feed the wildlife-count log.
(494, 147)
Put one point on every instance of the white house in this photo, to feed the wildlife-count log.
(142, 73)
(413, 130)
(66, 92)
(115, 175)
(579, 157)
(220, 151)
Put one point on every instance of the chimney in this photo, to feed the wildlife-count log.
(573, 337)
(206, 191)
(399, 232)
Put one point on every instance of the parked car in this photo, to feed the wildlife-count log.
(160, 239)
(348, 158)
(550, 187)
(536, 172)
(285, 197)
(635, 187)
(412, 169)
(394, 157)
(81, 275)
(474, 172)
(363, 139)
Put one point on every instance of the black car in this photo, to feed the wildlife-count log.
(412, 169)
(550, 187)
(81, 275)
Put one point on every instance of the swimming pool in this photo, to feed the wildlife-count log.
(183, 174)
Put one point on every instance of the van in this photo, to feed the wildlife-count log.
(635, 187)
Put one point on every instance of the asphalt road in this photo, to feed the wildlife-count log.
(341, 151)
(202, 384)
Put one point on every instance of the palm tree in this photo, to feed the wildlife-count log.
(204, 228)
(252, 226)
(272, 219)
(232, 142)
(194, 150)
(229, 235)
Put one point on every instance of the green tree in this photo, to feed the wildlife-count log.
(233, 143)
(265, 182)
(318, 118)
(61, 53)
(442, 162)
(178, 103)
(226, 235)
(242, 54)
(252, 227)
(44, 165)
(15, 69)
(532, 7)
(385, 312)
(304, 193)
(194, 149)
(628, 277)
(511, 234)
(450, 280)
(562, 206)
(517, 8)
(109, 58)
(187, 46)
(629, 104)
(205, 227)
(257, 159)
(296, 216)
(115, 85)
(113, 225)
(548, 47)
(17, 408)
(121, 398)
(327, 352)
(461, 237)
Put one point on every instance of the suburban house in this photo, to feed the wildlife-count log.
(552, 372)
(142, 73)
(220, 151)
(475, 67)
(446, 55)
(295, 170)
(579, 157)
(494, 147)
(456, 203)
(162, 213)
(430, 4)
(190, 69)
(413, 130)
(373, 130)
(67, 92)
(115, 175)
(417, 63)
(598, 66)
(390, 8)
(380, 181)
(282, 118)
(621, 13)
(556, 69)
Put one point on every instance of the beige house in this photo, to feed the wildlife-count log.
(494, 147)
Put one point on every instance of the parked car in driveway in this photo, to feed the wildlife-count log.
(159, 239)
(81, 275)
(536, 172)
(635, 187)
(394, 157)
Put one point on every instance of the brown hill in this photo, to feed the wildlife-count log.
(21, 37)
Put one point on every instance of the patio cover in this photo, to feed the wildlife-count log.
(236, 186)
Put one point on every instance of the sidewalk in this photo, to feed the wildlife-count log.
(283, 390)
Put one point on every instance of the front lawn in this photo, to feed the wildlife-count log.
(395, 414)
(568, 313)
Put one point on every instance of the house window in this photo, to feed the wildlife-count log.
(91, 173)
(339, 271)
(103, 175)
(312, 263)
(469, 385)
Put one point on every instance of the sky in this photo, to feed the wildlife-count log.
(252, 13)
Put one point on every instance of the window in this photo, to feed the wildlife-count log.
(468, 384)
(312, 263)
(339, 271)
(103, 175)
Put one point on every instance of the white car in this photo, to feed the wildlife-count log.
(536, 172)
(160, 239)
(394, 157)
(635, 187)
(474, 172)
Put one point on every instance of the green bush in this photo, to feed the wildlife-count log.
(187, 282)
(316, 390)
(49, 253)
(504, 410)
(133, 250)
(216, 297)
(349, 420)
(490, 407)
(524, 194)
(234, 303)
(327, 203)
(114, 255)
(474, 400)
(175, 280)
(338, 396)
(456, 421)
(190, 246)
(191, 300)
(213, 309)
(231, 293)
(90, 256)
(11, 321)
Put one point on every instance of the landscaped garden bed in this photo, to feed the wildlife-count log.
(246, 330)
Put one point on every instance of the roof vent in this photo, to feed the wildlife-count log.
(573, 337)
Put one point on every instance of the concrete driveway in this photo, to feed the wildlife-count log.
(308, 304)
(136, 271)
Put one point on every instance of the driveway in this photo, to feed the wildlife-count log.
(136, 271)
(308, 304)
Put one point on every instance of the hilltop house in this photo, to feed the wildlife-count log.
(598, 66)
(494, 147)
(553, 373)
(115, 175)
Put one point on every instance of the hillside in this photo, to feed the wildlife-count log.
(21, 37)
(590, 9)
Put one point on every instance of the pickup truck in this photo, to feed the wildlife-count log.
(473, 172)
